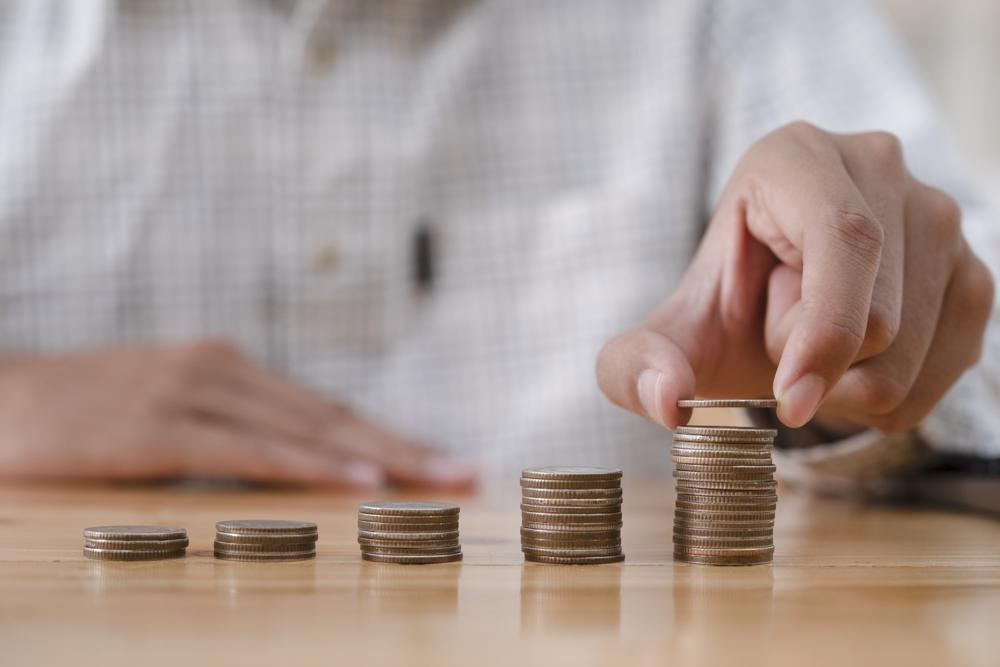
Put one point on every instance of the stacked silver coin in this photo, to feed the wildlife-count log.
(265, 540)
(134, 542)
(409, 533)
(726, 492)
(571, 515)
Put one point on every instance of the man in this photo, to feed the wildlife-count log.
(216, 216)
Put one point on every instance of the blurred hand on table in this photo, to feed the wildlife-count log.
(199, 409)
(828, 275)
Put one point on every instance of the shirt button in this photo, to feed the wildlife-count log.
(326, 258)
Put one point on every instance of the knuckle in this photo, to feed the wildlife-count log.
(977, 293)
(885, 150)
(803, 130)
(846, 329)
(196, 360)
(974, 303)
(882, 329)
(882, 393)
(859, 230)
(944, 215)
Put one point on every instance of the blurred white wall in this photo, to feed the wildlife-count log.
(957, 44)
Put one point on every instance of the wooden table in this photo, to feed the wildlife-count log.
(850, 585)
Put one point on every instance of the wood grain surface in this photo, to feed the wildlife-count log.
(850, 585)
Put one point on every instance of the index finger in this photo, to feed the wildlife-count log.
(841, 253)
(803, 204)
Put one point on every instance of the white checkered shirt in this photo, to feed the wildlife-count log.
(259, 170)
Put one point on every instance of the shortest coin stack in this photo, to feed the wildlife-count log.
(261, 540)
(134, 542)
(409, 533)
(571, 515)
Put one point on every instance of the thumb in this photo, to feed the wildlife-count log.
(644, 371)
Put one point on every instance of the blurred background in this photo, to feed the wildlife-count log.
(956, 44)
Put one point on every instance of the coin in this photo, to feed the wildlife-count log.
(574, 560)
(730, 516)
(571, 551)
(724, 454)
(732, 449)
(137, 545)
(700, 533)
(686, 485)
(727, 403)
(408, 508)
(531, 542)
(242, 547)
(727, 431)
(709, 541)
(758, 497)
(264, 527)
(719, 518)
(554, 517)
(222, 554)
(131, 554)
(722, 560)
(734, 476)
(406, 528)
(567, 510)
(717, 551)
(738, 448)
(571, 494)
(572, 473)
(696, 469)
(571, 483)
(721, 497)
(127, 533)
(720, 461)
(722, 508)
(763, 495)
(281, 538)
(409, 553)
(749, 441)
(570, 534)
(413, 520)
(721, 525)
(409, 544)
(429, 535)
(402, 559)
(589, 503)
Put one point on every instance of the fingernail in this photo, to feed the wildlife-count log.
(364, 473)
(449, 470)
(649, 393)
(799, 402)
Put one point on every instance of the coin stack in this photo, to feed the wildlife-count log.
(725, 486)
(134, 542)
(262, 540)
(409, 532)
(571, 515)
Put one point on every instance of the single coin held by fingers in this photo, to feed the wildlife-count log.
(727, 403)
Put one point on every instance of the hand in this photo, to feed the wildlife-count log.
(828, 275)
(194, 409)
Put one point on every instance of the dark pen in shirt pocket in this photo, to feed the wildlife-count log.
(424, 256)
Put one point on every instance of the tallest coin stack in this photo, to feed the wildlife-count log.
(726, 492)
